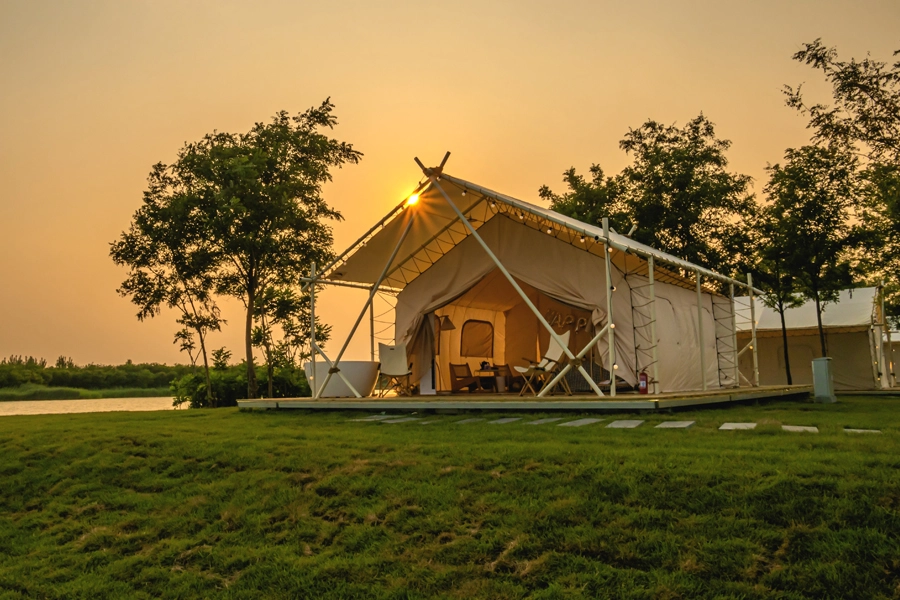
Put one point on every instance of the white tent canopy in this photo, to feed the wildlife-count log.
(459, 250)
(853, 337)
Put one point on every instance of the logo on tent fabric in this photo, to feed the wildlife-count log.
(557, 319)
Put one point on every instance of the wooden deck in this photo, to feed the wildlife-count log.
(511, 402)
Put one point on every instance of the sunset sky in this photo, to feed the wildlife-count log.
(94, 93)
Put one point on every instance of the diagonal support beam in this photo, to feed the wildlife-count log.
(335, 367)
(555, 381)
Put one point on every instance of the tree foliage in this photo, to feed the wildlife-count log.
(240, 215)
(677, 191)
(260, 196)
(864, 115)
(812, 205)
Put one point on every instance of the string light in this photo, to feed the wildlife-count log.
(612, 288)
(615, 366)
(549, 230)
(612, 325)
(582, 239)
(521, 216)
(464, 192)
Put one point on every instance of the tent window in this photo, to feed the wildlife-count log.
(477, 339)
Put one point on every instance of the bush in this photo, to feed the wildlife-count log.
(230, 385)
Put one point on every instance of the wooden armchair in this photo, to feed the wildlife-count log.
(461, 377)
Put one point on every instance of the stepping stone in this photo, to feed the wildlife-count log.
(543, 421)
(862, 430)
(464, 421)
(430, 422)
(624, 424)
(372, 418)
(800, 428)
(579, 423)
(675, 425)
(735, 426)
(403, 420)
(505, 420)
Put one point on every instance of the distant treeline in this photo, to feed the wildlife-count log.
(21, 370)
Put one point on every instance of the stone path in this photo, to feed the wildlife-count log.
(624, 424)
(736, 426)
(579, 423)
(619, 424)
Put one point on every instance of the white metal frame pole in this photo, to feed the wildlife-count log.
(335, 367)
(312, 326)
(734, 344)
(372, 330)
(611, 330)
(700, 331)
(513, 283)
(889, 359)
(652, 267)
(568, 366)
(753, 331)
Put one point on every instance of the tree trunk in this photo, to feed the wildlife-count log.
(819, 321)
(209, 396)
(787, 360)
(252, 386)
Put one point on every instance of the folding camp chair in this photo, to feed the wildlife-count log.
(395, 368)
(461, 377)
(549, 366)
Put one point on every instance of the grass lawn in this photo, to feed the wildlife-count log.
(232, 504)
(36, 391)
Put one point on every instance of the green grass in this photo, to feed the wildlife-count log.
(231, 504)
(34, 391)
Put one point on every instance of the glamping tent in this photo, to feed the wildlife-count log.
(854, 338)
(480, 276)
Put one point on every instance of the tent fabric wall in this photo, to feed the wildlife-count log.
(573, 277)
(851, 365)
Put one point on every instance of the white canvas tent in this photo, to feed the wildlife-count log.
(854, 338)
(521, 274)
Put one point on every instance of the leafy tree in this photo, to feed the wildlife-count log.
(171, 260)
(812, 199)
(865, 115)
(677, 191)
(260, 197)
(775, 270)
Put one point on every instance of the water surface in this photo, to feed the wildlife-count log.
(60, 407)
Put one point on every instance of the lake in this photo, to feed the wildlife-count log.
(60, 407)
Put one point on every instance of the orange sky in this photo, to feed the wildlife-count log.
(94, 93)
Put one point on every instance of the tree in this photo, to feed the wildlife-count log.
(812, 198)
(776, 254)
(282, 330)
(171, 261)
(260, 197)
(677, 191)
(865, 115)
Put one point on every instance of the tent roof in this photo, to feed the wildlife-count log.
(436, 229)
(854, 308)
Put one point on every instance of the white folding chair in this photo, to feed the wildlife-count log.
(546, 368)
(394, 368)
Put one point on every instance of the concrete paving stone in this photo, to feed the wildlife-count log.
(430, 422)
(579, 423)
(800, 428)
(403, 420)
(862, 430)
(625, 424)
(675, 424)
(464, 421)
(544, 421)
(505, 420)
(734, 426)
(372, 418)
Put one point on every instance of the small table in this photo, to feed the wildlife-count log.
(492, 373)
